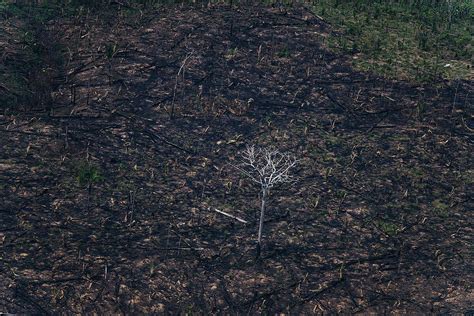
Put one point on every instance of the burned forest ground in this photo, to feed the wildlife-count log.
(110, 181)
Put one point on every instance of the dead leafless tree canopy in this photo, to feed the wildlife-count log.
(266, 167)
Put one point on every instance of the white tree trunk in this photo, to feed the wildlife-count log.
(262, 214)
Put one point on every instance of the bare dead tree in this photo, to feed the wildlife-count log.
(267, 167)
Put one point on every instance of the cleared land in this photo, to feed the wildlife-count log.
(105, 188)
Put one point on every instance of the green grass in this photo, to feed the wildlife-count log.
(409, 40)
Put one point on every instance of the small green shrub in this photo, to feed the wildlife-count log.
(388, 228)
(231, 53)
(111, 50)
(441, 209)
(88, 173)
(284, 53)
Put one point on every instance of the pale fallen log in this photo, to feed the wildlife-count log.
(228, 215)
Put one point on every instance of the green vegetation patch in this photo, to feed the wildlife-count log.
(87, 173)
(411, 40)
(440, 208)
(387, 227)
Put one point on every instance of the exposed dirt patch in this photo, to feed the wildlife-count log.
(104, 199)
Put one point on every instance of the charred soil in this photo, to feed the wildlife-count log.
(107, 193)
